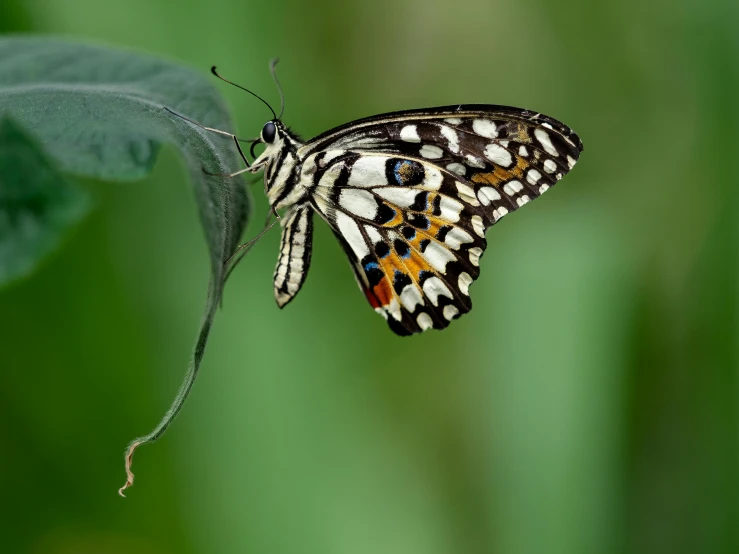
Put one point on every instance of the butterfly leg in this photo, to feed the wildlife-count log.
(218, 131)
(243, 249)
(227, 175)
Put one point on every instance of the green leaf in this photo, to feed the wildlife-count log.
(100, 113)
(37, 204)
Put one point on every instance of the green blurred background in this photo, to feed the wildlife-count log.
(589, 403)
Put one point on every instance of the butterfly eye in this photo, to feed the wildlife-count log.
(268, 132)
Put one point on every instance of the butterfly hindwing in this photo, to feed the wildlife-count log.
(415, 247)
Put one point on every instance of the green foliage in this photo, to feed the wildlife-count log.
(38, 205)
(100, 113)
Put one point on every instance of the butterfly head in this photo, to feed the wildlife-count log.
(278, 160)
(275, 138)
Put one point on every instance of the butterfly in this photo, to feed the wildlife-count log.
(409, 196)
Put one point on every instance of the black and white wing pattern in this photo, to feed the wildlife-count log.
(411, 194)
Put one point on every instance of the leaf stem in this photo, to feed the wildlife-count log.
(214, 292)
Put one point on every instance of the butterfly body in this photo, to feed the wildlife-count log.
(409, 195)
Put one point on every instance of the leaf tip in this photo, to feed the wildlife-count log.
(129, 463)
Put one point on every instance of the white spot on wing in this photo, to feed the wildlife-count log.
(571, 161)
(475, 254)
(431, 152)
(402, 197)
(512, 188)
(477, 226)
(456, 237)
(450, 209)
(411, 297)
(409, 133)
(438, 256)
(485, 128)
(523, 152)
(453, 120)
(533, 176)
(487, 195)
(467, 194)
(394, 309)
(451, 136)
(373, 234)
(360, 202)
(498, 155)
(459, 169)
(472, 161)
(464, 283)
(350, 231)
(523, 200)
(499, 213)
(435, 287)
(432, 179)
(367, 171)
(424, 321)
(546, 141)
(382, 312)
(543, 188)
(450, 310)
(550, 166)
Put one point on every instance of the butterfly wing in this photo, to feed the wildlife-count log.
(410, 195)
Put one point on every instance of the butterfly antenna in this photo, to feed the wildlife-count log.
(255, 95)
(272, 65)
